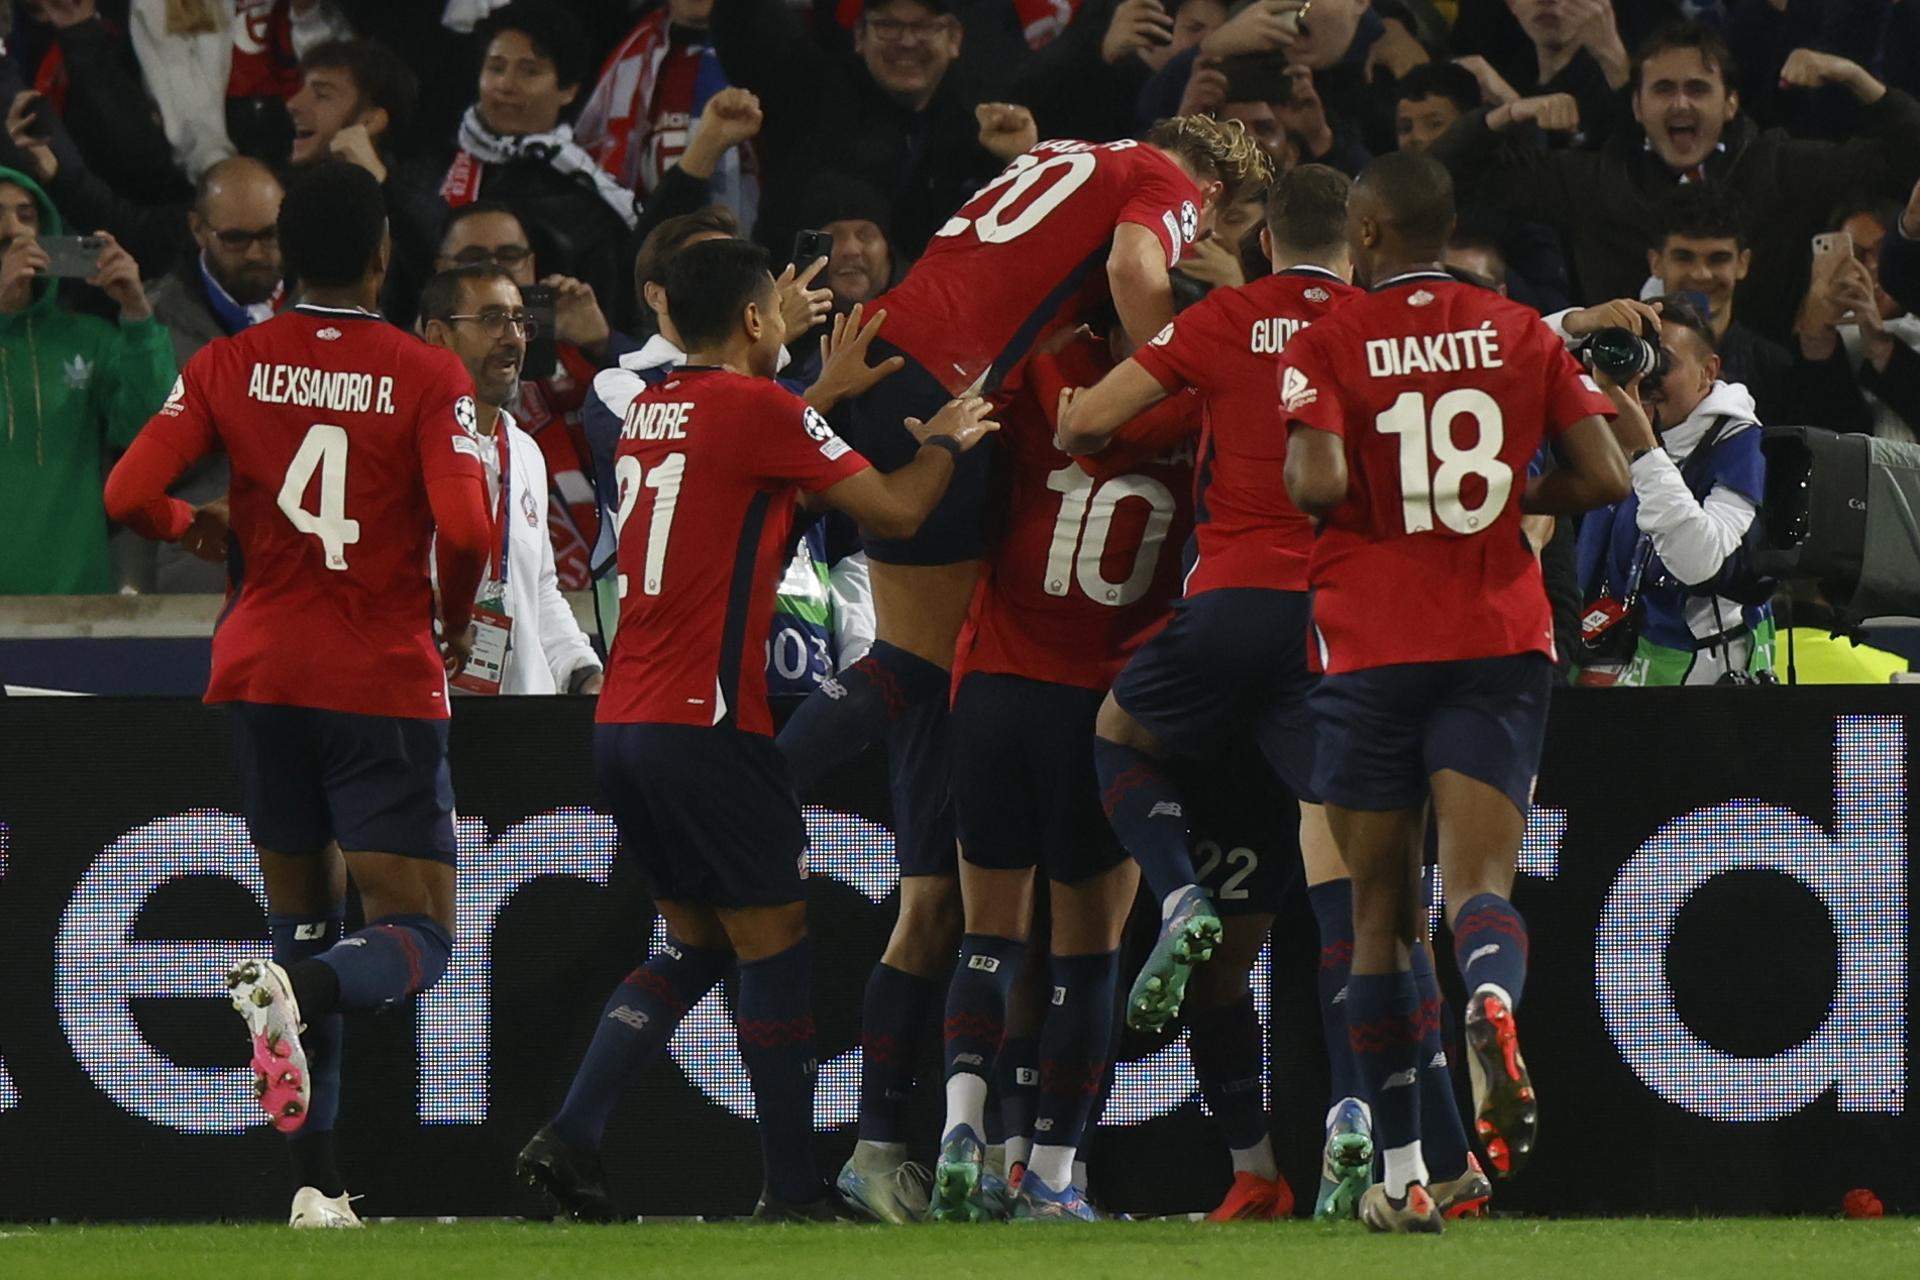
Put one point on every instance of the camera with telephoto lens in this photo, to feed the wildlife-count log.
(1623, 355)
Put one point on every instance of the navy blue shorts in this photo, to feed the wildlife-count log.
(708, 814)
(874, 424)
(1230, 664)
(1024, 787)
(1386, 730)
(1246, 831)
(373, 784)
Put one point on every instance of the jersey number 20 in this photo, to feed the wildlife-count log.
(324, 449)
(1426, 494)
(1067, 173)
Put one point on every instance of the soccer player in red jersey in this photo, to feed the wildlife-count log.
(1065, 227)
(351, 444)
(710, 464)
(1414, 413)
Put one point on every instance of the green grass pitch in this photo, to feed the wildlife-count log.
(1745, 1249)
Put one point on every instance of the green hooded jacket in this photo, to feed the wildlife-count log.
(71, 387)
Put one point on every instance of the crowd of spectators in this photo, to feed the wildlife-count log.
(1605, 152)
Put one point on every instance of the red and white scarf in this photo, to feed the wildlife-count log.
(481, 146)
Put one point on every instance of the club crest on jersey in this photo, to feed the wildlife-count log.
(176, 399)
(328, 334)
(465, 414)
(1163, 337)
(1295, 393)
(527, 508)
(1316, 294)
(1420, 299)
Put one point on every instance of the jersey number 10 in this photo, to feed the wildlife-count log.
(1081, 530)
(1426, 494)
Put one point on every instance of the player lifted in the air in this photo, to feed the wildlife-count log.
(351, 445)
(1414, 414)
(710, 465)
(1067, 226)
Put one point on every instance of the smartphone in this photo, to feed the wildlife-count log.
(74, 256)
(1830, 249)
(1257, 77)
(809, 246)
(38, 120)
(542, 355)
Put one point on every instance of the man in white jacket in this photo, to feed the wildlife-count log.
(477, 313)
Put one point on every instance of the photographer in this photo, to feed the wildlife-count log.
(1664, 565)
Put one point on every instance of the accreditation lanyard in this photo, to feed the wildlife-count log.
(502, 528)
(492, 623)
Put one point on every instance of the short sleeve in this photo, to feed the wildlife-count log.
(447, 431)
(1309, 394)
(1177, 357)
(802, 448)
(1571, 392)
(1165, 201)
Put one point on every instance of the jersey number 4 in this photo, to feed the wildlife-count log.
(1427, 492)
(1086, 519)
(664, 480)
(1063, 175)
(324, 450)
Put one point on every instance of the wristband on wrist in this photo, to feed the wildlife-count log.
(947, 443)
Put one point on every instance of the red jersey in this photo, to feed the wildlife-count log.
(1085, 568)
(1028, 254)
(1443, 393)
(1248, 531)
(334, 422)
(709, 463)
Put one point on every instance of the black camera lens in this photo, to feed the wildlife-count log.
(1623, 355)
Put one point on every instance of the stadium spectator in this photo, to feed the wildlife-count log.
(232, 284)
(1900, 256)
(514, 148)
(639, 121)
(1764, 36)
(1572, 47)
(1085, 83)
(729, 121)
(1849, 312)
(221, 73)
(549, 404)
(862, 265)
(1698, 479)
(889, 114)
(73, 386)
(1691, 130)
(477, 313)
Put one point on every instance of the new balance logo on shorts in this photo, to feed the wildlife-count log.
(1059, 995)
(985, 964)
(1166, 809)
(671, 950)
(631, 1017)
(308, 932)
(969, 1060)
(1439, 1062)
(833, 688)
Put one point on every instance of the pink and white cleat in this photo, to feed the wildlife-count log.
(263, 996)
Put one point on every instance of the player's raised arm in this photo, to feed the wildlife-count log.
(1089, 416)
(1137, 275)
(893, 504)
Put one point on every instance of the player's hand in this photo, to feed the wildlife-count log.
(1807, 69)
(118, 276)
(1395, 52)
(844, 371)
(355, 145)
(39, 155)
(964, 421)
(1060, 339)
(1206, 89)
(1553, 112)
(594, 683)
(455, 650)
(206, 536)
(1214, 263)
(1266, 26)
(801, 305)
(1493, 86)
(1006, 129)
(1631, 314)
(1137, 26)
(577, 318)
(23, 260)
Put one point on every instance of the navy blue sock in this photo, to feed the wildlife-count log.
(830, 728)
(1144, 804)
(1384, 1028)
(1074, 1046)
(1490, 944)
(891, 1021)
(1016, 1085)
(977, 1002)
(1443, 1138)
(638, 1020)
(389, 960)
(1225, 1044)
(297, 938)
(775, 1019)
(1333, 908)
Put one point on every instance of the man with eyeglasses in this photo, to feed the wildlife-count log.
(476, 313)
(488, 233)
(231, 284)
